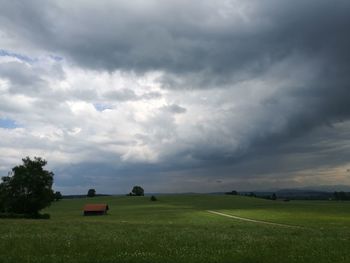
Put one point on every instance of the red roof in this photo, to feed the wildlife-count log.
(95, 207)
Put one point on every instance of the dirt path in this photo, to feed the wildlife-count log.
(252, 220)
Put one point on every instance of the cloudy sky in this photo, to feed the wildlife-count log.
(177, 96)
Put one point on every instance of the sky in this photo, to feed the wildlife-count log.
(177, 96)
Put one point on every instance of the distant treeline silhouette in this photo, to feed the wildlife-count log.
(341, 195)
(296, 195)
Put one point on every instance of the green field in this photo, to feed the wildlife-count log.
(179, 229)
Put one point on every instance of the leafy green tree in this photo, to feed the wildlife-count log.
(91, 193)
(138, 191)
(28, 188)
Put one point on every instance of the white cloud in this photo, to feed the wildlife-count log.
(166, 85)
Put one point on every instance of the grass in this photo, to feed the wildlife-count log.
(178, 229)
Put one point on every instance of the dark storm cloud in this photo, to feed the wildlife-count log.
(199, 43)
(297, 49)
(182, 36)
(22, 78)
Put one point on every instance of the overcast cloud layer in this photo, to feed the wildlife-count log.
(177, 96)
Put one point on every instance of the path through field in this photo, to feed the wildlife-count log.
(251, 220)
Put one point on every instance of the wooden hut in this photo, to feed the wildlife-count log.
(95, 209)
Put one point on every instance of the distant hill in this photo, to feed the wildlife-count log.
(294, 194)
(328, 188)
(322, 192)
(304, 194)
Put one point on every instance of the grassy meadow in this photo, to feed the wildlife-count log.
(179, 229)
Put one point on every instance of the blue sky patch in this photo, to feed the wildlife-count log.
(102, 106)
(56, 58)
(6, 123)
(6, 53)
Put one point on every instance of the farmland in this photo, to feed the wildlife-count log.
(179, 228)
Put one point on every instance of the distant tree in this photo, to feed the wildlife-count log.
(341, 196)
(232, 193)
(137, 190)
(28, 188)
(58, 196)
(153, 198)
(337, 195)
(91, 193)
(344, 196)
(252, 194)
(273, 196)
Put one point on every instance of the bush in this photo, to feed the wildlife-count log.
(153, 198)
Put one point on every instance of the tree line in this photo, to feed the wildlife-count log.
(136, 191)
(341, 196)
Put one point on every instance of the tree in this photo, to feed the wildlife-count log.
(91, 193)
(232, 193)
(58, 196)
(3, 197)
(341, 196)
(137, 190)
(273, 196)
(28, 188)
(153, 198)
(252, 194)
